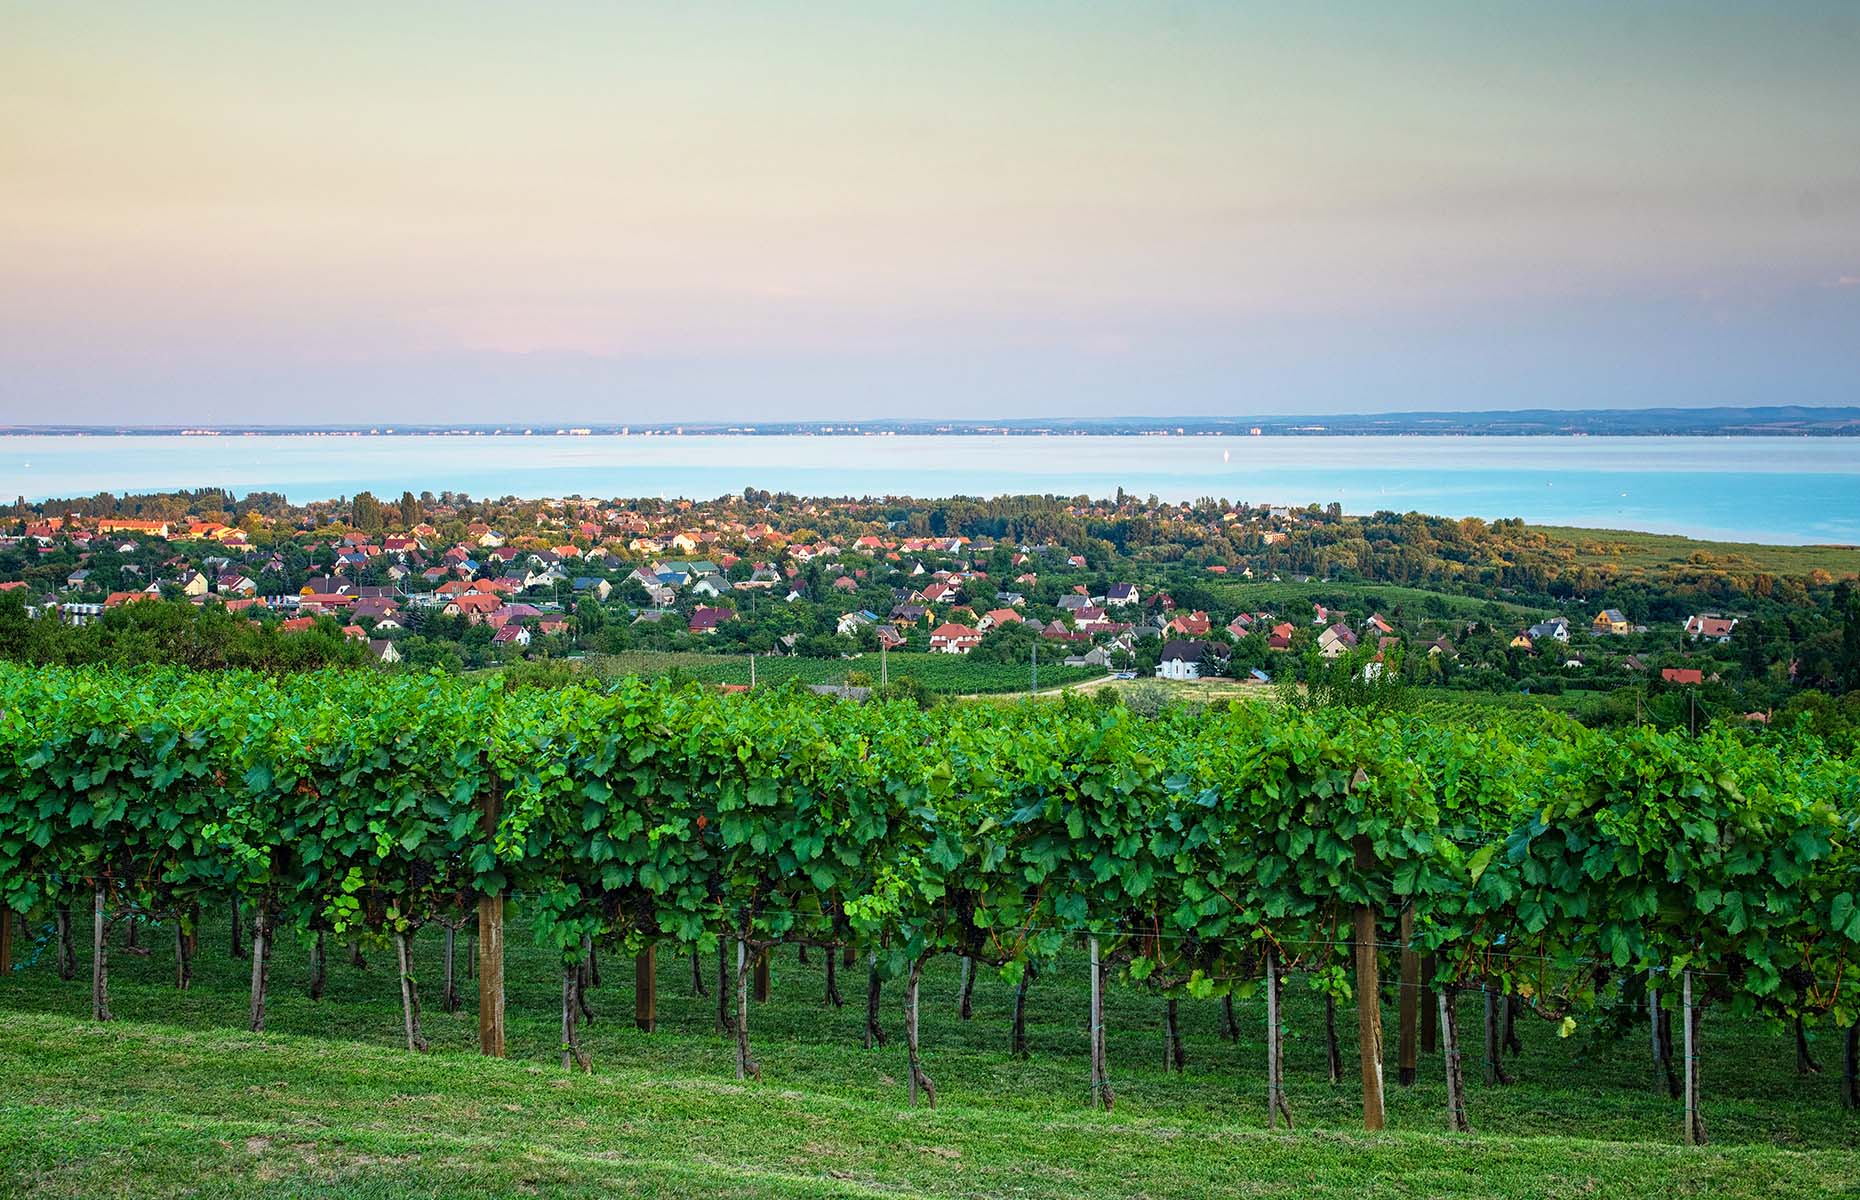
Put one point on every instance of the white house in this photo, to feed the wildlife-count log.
(1187, 660)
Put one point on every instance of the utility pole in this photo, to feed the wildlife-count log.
(884, 668)
(752, 672)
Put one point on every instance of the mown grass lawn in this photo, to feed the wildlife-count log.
(176, 1098)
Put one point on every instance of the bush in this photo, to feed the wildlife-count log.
(1146, 698)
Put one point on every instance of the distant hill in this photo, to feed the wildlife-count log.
(1778, 421)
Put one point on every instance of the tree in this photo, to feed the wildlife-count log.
(1009, 643)
(1847, 600)
(1754, 652)
(366, 513)
(589, 616)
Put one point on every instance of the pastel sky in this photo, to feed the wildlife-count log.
(223, 212)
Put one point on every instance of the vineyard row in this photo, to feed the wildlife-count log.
(1564, 869)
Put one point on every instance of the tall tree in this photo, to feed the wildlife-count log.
(366, 513)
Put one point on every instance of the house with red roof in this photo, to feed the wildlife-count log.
(954, 639)
(705, 619)
(474, 607)
(117, 599)
(996, 618)
(1710, 627)
(1189, 625)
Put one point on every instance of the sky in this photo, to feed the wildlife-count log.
(435, 213)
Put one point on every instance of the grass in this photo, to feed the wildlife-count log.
(1217, 689)
(1635, 551)
(941, 673)
(175, 1098)
(1283, 598)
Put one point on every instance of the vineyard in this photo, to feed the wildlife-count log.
(941, 674)
(1519, 871)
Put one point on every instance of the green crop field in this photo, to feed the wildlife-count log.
(1293, 600)
(175, 1098)
(946, 674)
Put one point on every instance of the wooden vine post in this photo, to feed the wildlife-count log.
(261, 962)
(491, 944)
(1444, 999)
(1276, 1104)
(67, 949)
(572, 1053)
(1368, 1001)
(646, 990)
(1017, 1026)
(1695, 1122)
(1430, 1028)
(1101, 1094)
(1407, 1051)
(920, 1081)
(874, 1034)
(746, 1066)
(99, 957)
(409, 992)
(723, 985)
(1653, 1031)
(449, 1000)
(1850, 1068)
(1494, 1046)
(319, 966)
(6, 942)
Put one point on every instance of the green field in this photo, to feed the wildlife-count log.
(1292, 601)
(945, 674)
(1635, 551)
(175, 1098)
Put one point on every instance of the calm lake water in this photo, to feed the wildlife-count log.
(1752, 489)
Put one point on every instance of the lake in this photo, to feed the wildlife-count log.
(1784, 490)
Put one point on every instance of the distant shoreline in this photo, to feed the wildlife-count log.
(1659, 422)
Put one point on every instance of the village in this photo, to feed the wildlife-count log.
(476, 585)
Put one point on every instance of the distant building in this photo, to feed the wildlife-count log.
(1184, 659)
(954, 639)
(1710, 627)
(1555, 627)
